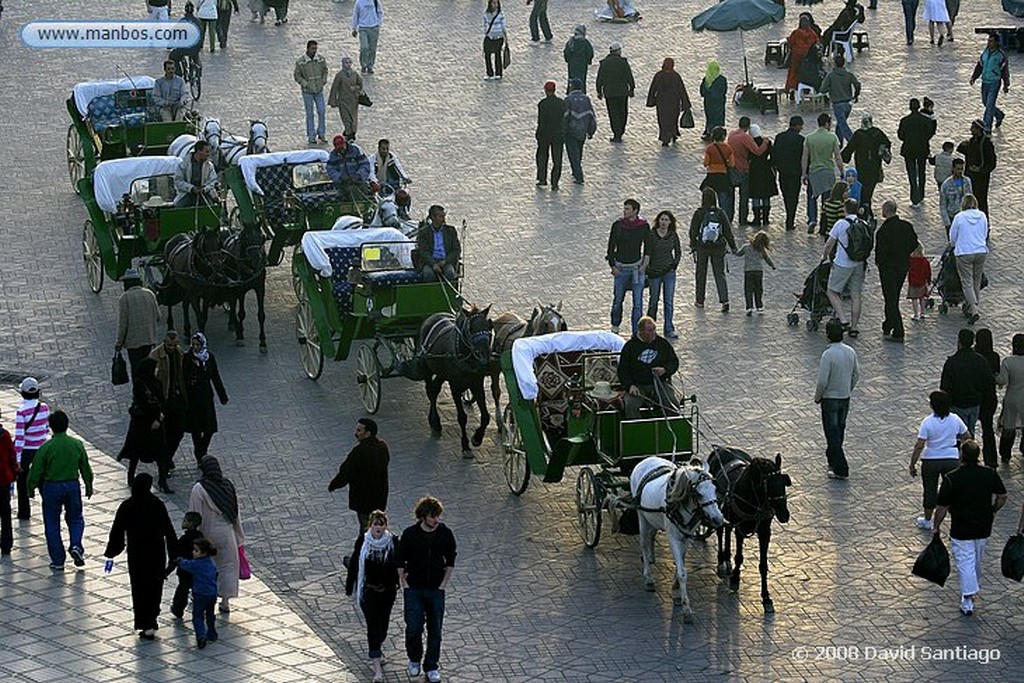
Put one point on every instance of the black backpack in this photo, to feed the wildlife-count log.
(860, 240)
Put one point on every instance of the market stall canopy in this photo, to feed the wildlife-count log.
(742, 15)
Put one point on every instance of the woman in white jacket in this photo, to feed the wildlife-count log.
(206, 12)
(494, 39)
(968, 235)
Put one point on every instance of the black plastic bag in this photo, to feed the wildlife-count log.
(933, 562)
(686, 119)
(118, 370)
(1013, 558)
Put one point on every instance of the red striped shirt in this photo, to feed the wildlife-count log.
(31, 436)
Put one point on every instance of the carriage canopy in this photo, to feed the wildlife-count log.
(315, 245)
(251, 162)
(526, 350)
(85, 92)
(113, 179)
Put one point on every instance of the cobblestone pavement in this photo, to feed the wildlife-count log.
(528, 602)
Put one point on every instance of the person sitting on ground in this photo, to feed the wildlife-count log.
(618, 10)
(195, 179)
(646, 365)
(169, 93)
(437, 247)
(350, 169)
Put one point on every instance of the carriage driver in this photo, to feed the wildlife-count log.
(195, 179)
(644, 357)
(169, 93)
(350, 169)
(437, 249)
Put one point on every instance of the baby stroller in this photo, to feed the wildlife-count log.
(947, 283)
(813, 298)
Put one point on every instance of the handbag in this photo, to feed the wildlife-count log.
(686, 119)
(118, 370)
(244, 570)
(933, 562)
(506, 55)
(735, 178)
(364, 100)
(1013, 558)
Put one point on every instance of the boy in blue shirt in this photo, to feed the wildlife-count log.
(204, 590)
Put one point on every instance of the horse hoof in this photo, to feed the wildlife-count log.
(687, 617)
(263, 349)
(769, 607)
(476, 441)
(734, 586)
(724, 571)
(239, 342)
(677, 601)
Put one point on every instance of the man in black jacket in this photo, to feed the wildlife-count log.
(980, 156)
(787, 154)
(895, 241)
(550, 112)
(646, 365)
(615, 86)
(438, 249)
(365, 472)
(916, 130)
(967, 378)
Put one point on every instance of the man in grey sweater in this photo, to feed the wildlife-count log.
(837, 376)
(137, 313)
(843, 89)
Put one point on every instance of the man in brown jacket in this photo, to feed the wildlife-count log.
(311, 75)
(168, 357)
(137, 313)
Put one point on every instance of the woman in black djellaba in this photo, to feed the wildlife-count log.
(202, 378)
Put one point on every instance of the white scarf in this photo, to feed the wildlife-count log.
(378, 550)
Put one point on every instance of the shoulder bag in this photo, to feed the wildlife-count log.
(735, 179)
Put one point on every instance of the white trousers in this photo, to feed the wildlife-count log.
(968, 556)
(158, 13)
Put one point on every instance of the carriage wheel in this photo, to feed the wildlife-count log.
(76, 157)
(92, 257)
(589, 500)
(300, 289)
(368, 378)
(310, 353)
(517, 468)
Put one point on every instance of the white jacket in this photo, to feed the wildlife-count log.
(206, 9)
(969, 233)
(497, 30)
(183, 180)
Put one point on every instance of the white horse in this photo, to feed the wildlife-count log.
(389, 214)
(226, 149)
(675, 499)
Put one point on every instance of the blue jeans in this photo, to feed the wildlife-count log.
(968, 415)
(424, 605)
(727, 203)
(744, 190)
(842, 113)
(910, 17)
(656, 284)
(574, 150)
(204, 621)
(308, 101)
(989, 93)
(628, 279)
(833, 423)
(66, 495)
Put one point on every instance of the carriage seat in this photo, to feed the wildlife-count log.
(342, 259)
(103, 113)
(553, 371)
(315, 199)
(390, 278)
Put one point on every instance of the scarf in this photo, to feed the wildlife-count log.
(376, 550)
(220, 490)
(203, 354)
(712, 73)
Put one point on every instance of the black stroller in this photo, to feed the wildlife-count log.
(947, 282)
(813, 298)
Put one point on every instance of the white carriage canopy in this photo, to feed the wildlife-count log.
(316, 243)
(526, 350)
(251, 162)
(113, 179)
(85, 92)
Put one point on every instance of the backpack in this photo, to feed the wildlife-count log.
(860, 240)
(711, 227)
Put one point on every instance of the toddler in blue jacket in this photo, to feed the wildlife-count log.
(204, 590)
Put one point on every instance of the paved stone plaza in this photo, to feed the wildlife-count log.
(527, 601)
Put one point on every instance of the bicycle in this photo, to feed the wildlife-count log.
(190, 68)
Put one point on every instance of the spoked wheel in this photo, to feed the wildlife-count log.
(92, 257)
(195, 82)
(517, 468)
(300, 289)
(76, 157)
(310, 353)
(368, 377)
(589, 499)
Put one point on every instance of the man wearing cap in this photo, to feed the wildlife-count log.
(646, 365)
(579, 55)
(550, 112)
(171, 375)
(350, 169)
(615, 86)
(787, 153)
(31, 428)
(137, 313)
(579, 123)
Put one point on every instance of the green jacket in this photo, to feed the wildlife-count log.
(61, 458)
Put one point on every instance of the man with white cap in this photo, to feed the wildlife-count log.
(31, 429)
(615, 85)
(137, 313)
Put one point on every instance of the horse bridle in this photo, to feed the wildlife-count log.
(469, 340)
(763, 505)
(699, 514)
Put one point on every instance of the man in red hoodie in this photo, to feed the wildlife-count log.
(628, 262)
(742, 145)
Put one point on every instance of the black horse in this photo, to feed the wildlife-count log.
(220, 268)
(753, 493)
(456, 348)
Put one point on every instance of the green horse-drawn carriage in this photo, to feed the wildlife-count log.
(115, 120)
(288, 193)
(555, 419)
(362, 284)
(132, 215)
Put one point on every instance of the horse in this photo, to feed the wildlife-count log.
(675, 499)
(221, 267)
(753, 491)
(507, 328)
(456, 348)
(227, 149)
(392, 211)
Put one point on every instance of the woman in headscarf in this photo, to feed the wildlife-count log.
(373, 573)
(344, 95)
(712, 89)
(761, 179)
(668, 95)
(144, 521)
(800, 41)
(145, 440)
(201, 379)
(215, 499)
(578, 54)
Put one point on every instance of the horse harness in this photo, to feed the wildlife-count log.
(463, 340)
(743, 509)
(674, 512)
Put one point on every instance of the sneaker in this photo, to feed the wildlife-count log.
(672, 334)
(77, 556)
(967, 607)
(434, 676)
(760, 311)
(321, 139)
(725, 307)
(750, 312)
(839, 477)
(212, 636)
(488, 78)
(56, 567)
(698, 304)
(615, 329)
(201, 642)
(413, 669)
(924, 523)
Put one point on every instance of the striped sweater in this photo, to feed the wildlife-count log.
(31, 436)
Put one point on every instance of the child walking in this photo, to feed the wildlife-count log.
(943, 163)
(190, 525)
(755, 255)
(204, 590)
(919, 279)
